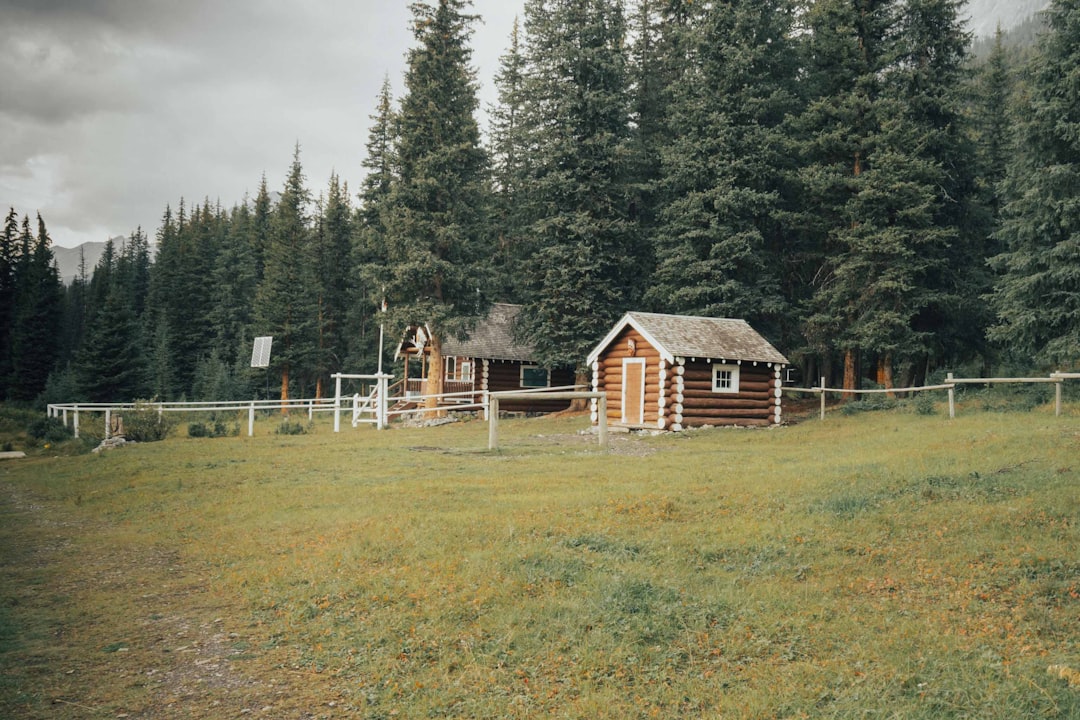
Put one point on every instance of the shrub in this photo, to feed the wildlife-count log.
(214, 430)
(924, 404)
(146, 424)
(288, 427)
(49, 429)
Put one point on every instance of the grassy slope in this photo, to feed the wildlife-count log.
(881, 565)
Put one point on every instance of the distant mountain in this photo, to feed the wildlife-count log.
(68, 259)
(986, 15)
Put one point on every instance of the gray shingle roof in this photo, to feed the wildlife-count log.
(703, 337)
(492, 338)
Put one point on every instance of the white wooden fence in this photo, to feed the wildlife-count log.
(949, 385)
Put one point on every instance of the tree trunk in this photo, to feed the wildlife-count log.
(435, 376)
(851, 374)
(583, 378)
(885, 374)
(284, 390)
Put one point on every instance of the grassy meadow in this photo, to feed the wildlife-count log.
(874, 565)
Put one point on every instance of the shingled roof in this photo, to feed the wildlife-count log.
(492, 337)
(696, 337)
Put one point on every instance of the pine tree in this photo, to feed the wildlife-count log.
(590, 264)
(35, 331)
(9, 253)
(889, 193)
(234, 286)
(435, 215)
(724, 166)
(285, 305)
(369, 247)
(108, 365)
(1037, 297)
(330, 253)
(510, 161)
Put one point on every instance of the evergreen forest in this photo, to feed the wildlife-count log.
(846, 175)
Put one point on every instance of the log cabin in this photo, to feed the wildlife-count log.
(489, 359)
(672, 372)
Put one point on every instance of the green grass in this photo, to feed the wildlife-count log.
(885, 564)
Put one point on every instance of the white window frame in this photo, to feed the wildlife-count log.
(521, 376)
(717, 378)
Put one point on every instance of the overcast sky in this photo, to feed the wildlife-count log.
(111, 109)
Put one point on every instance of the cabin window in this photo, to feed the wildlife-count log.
(458, 369)
(725, 378)
(534, 376)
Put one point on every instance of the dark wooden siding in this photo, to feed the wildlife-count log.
(754, 404)
(505, 376)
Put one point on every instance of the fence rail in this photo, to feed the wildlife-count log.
(949, 385)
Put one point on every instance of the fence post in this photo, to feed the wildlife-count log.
(493, 422)
(337, 402)
(602, 410)
(380, 409)
(76, 416)
(251, 419)
(952, 396)
(822, 397)
(108, 417)
(1057, 397)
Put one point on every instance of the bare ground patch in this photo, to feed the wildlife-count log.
(92, 631)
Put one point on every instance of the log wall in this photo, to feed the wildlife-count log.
(680, 394)
(608, 376)
(758, 401)
(505, 376)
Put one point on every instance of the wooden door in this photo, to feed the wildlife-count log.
(633, 391)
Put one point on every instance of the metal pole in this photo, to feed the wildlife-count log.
(76, 414)
(1057, 397)
(108, 418)
(952, 397)
(251, 419)
(380, 347)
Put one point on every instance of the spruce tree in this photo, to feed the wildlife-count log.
(331, 253)
(436, 213)
(9, 253)
(35, 331)
(510, 162)
(1037, 297)
(109, 363)
(590, 263)
(285, 305)
(369, 247)
(724, 166)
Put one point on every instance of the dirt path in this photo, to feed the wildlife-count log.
(91, 626)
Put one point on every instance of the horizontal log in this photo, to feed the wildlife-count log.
(744, 385)
(727, 412)
(706, 394)
(622, 354)
(742, 422)
(693, 402)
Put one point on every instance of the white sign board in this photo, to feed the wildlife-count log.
(260, 353)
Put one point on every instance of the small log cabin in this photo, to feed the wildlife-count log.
(490, 359)
(672, 372)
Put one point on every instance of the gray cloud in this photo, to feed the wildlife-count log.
(110, 109)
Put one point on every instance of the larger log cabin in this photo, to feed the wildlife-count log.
(673, 372)
(489, 359)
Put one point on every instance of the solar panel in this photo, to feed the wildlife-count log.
(260, 353)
